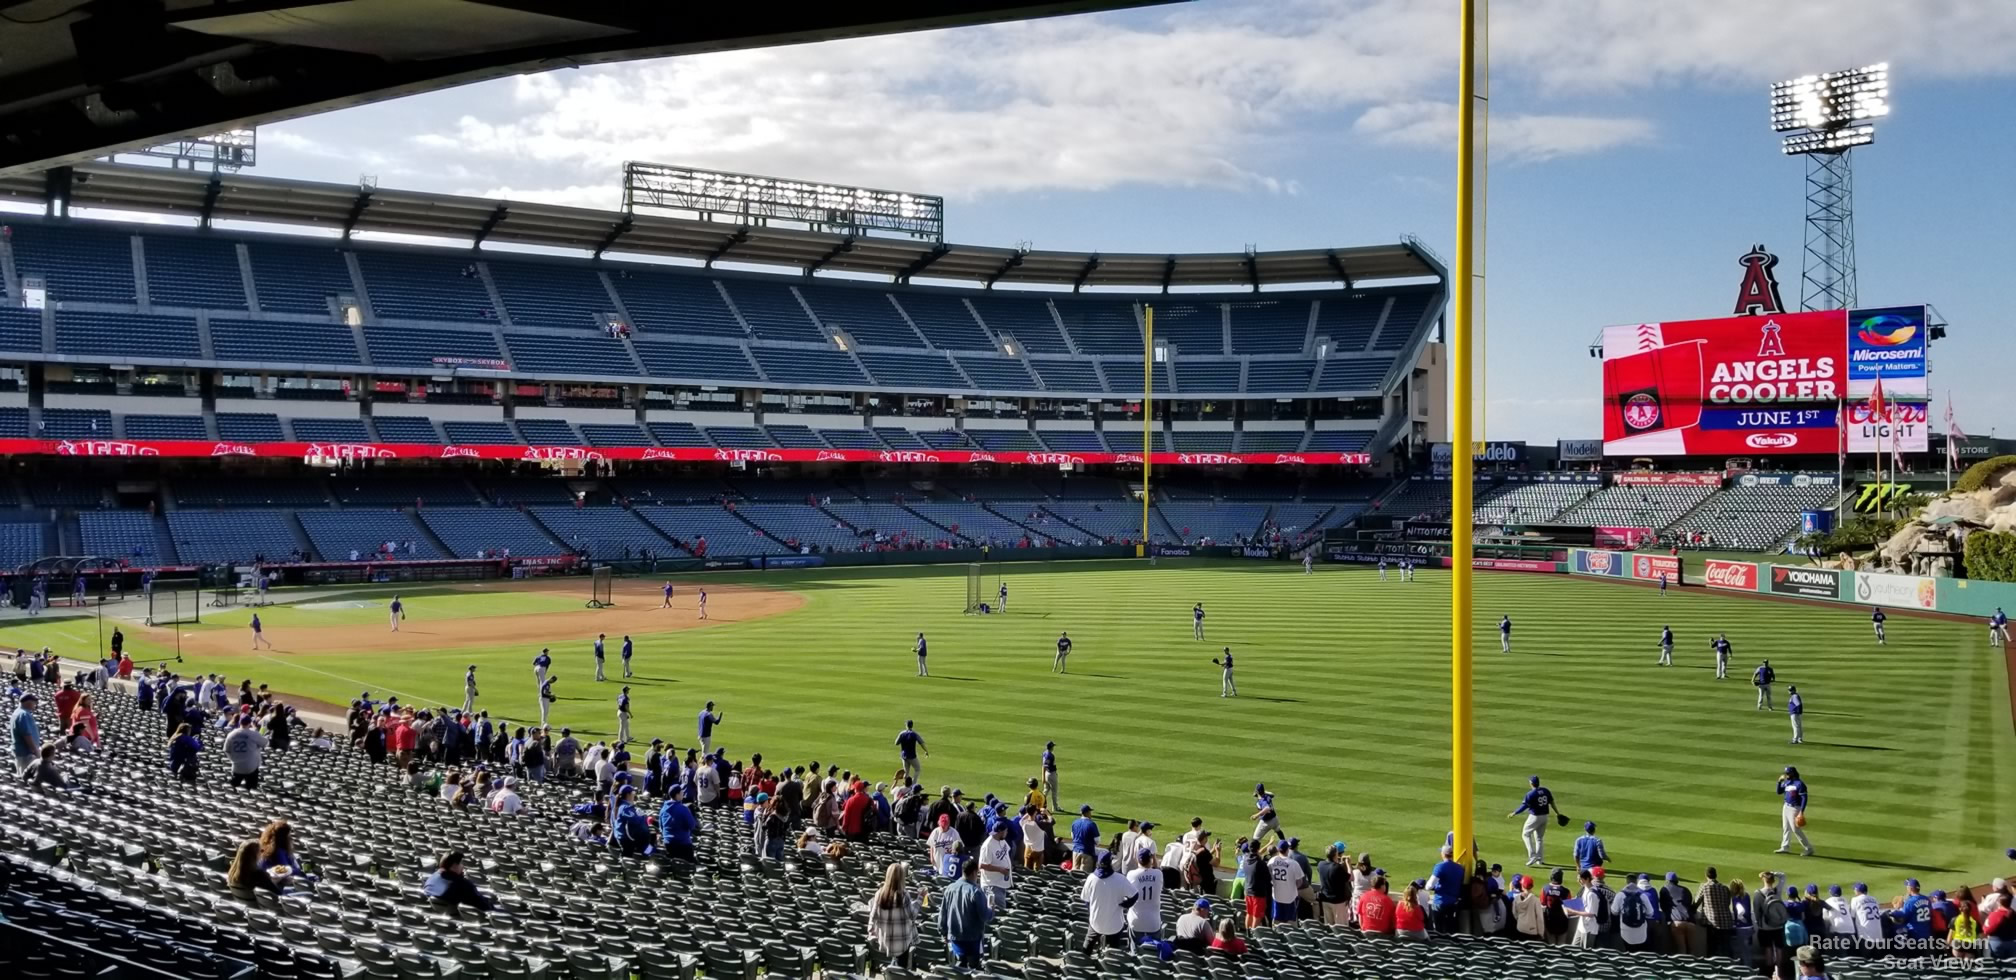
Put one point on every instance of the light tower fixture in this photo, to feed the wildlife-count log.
(1824, 117)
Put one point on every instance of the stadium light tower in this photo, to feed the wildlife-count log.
(1827, 116)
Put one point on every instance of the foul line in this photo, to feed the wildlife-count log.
(364, 685)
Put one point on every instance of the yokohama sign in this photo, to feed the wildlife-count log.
(1815, 583)
(1738, 575)
(322, 450)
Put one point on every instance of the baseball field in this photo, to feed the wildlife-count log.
(1343, 706)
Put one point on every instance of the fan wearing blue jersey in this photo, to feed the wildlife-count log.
(1877, 619)
(1792, 815)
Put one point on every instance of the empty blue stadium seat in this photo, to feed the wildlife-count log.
(794, 437)
(1207, 376)
(1338, 440)
(77, 262)
(1125, 375)
(997, 372)
(1006, 440)
(724, 533)
(1279, 376)
(551, 294)
(467, 433)
(945, 321)
(588, 353)
(771, 311)
(406, 428)
(607, 434)
(1268, 326)
(407, 489)
(603, 531)
(1101, 326)
(329, 430)
(671, 302)
(1072, 375)
(336, 533)
(1071, 440)
(1204, 442)
(127, 534)
(421, 347)
(298, 278)
(528, 490)
(1193, 521)
(740, 437)
(413, 284)
(888, 520)
(210, 536)
(547, 432)
(126, 335)
(1194, 328)
(1401, 320)
(946, 439)
(1128, 440)
(678, 434)
(211, 492)
(192, 271)
(851, 439)
(794, 365)
(1343, 373)
(800, 523)
(698, 361)
(1108, 521)
(164, 427)
(76, 423)
(302, 343)
(898, 437)
(1349, 320)
(14, 422)
(21, 543)
(20, 330)
(1285, 441)
(468, 530)
(1028, 321)
(249, 427)
(920, 370)
(865, 314)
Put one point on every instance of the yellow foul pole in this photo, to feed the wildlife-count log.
(1473, 102)
(1147, 420)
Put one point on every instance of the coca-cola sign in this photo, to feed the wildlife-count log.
(103, 447)
(1738, 575)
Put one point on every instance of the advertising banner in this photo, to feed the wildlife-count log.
(1583, 561)
(1813, 583)
(1622, 537)
(1651, 567)
(1915, 591)
(1738, 385)
(1786, 480)
(1902, 426)
(1738, 575)
(1493, 452)
(1505, 564)
(326, 451)
(1650, 478)
(1579, 450)
(1888, 342)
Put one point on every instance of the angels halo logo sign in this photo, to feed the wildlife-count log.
(1641, 411)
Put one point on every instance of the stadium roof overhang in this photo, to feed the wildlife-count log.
(350, 208)
(83, 79)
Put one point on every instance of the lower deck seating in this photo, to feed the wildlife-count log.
(164, 427)
(21, 543)
(336, 534)
(329, 430)
(1221, 522)
(127, 534)
(211, 536)
(709, 529)
(802, 524)
(481, 532)
(603, 532)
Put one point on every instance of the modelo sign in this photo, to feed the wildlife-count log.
(1813, 583)
(1913, 591)
(1738, 575)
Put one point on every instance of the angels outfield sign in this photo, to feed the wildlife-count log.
(684, 454)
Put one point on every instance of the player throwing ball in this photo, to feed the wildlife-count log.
(1226, 689)
(1057, 666)
(1197, 620)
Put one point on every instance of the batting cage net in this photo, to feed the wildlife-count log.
(602, 587)
(976, 575)
(171, 601)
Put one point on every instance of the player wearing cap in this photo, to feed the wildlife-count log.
(469, 690)
(922, 652)
(398, 610)
(1505, 633)
(627, 651)
(1226, 688)
(1382, 569)
(1998, 628)
(540, 664)
(599, 637)
(1795, 709)
(1720, 644)
(546, 696)
(1792, 816)
(908, 743)
(1308, 563)
(1666, 646)
(1876, 619)
(1058, 666)
(1265, 820)
(1049, 764)
(1537, 806)
(623, 714)
(666, 603)
(1197, 620)
(1002, 594)
(1762, 678)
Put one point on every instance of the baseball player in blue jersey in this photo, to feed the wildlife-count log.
(1003, 594)
(469, 690)
(623, 715)
(1505, 633)
(627, 651)
(1226, 689)
(1762, 677)
(1998, 628)
(922, 651)
(539, 665)
(1876, 619)
(1720, 644)
(259, 634)
(398, 610)
(1537, 806)
(1792, 816)
(1666, 646)
(1795, 708)
(666, 603)
(599, 638)
(1662, 585)
(1382, 569)
(1058, 666)
(1197, 620)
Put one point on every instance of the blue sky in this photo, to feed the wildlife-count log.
(1632, 156)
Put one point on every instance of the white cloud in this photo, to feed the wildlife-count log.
(1216, 94)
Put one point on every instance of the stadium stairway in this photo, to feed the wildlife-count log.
(164, 540)
(301, 538)
(69, 535)
(428, 532)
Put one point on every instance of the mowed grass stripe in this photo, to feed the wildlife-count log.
(1344, 710)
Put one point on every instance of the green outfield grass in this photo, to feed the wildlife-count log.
(1343, 713)
(367, 607)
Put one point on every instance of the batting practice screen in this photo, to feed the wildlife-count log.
(173, 601)
(601, 587)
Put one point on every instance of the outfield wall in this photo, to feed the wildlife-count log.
(1643, 566)
(1954, 596)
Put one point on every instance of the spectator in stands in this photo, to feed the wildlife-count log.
(1447, 892)
(1410, 919)
(1999, 928)
(1529, 920)
(80, 740)
(246, 877)
(964, 915)
(245, 747)
(1768, 908)
(276, 848)
(66, 703)
(1107, 895)
(1333, 886)
(1712, 909)
(450, 887)
(1227, 940)
(45, 771)
(1194, 929)
(183, 751)
(892, 917)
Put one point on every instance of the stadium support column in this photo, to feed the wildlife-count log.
(1147, 421)
(1472, 152)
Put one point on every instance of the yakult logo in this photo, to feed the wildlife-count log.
(906, 456)
(1289, 458)
(1207, 458)
(239, 449)
(459, 452)
(1058, 458)
(829, 454)
(103, 447)
(1771, 440)
(747, 455)
(341, 451)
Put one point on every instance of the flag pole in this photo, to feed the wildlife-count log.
(1473, 93)
(1840, 456)
(1147, 422)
